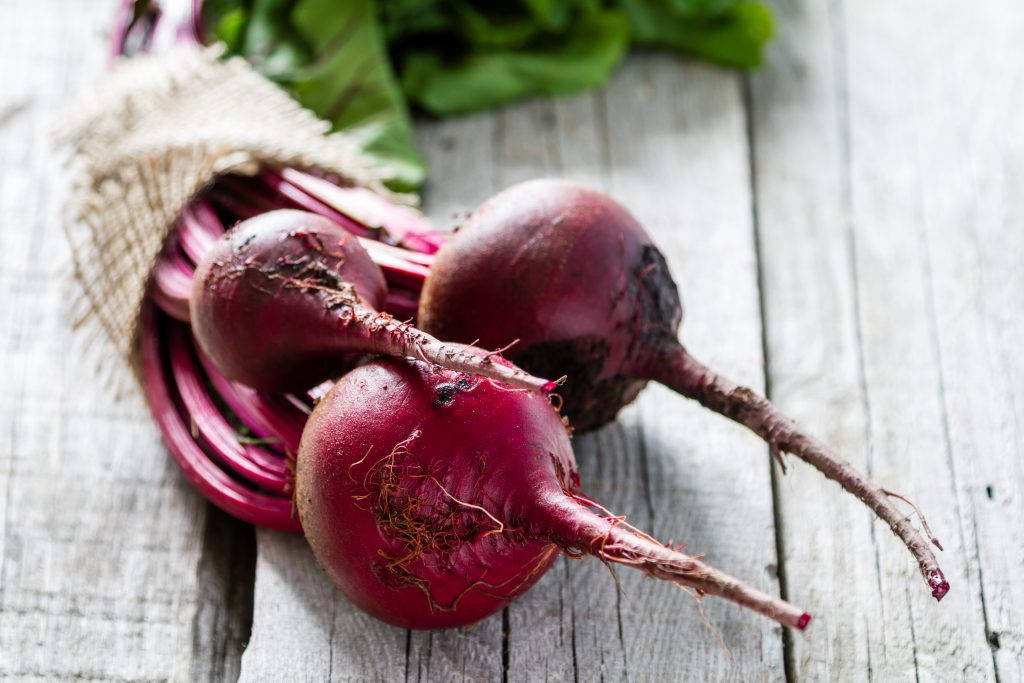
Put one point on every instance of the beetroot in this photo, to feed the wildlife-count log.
(460, 500)
(572, 275)
(288, 298)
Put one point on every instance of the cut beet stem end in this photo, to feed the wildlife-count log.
(677, 369)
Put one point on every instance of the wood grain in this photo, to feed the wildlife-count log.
(907, 159)
(812, 345)
(110, 567)
(872, 193)
(963, 170)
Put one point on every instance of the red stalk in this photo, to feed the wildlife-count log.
(211, 425)
(210, 480)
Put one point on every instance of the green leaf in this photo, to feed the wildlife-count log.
(414, 18)
(494, 30)
(331, 56)
(734, 36)
(458, 56)
(581, 58)
(553, 15)
(229, 27)
(698, 9)
(350, 83)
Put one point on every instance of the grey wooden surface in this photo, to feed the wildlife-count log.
(847, 229)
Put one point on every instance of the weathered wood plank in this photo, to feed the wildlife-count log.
(911, 113)
(869, 237)
(305, 630)
(811, 341)
(967, 162)
(103, 568)
(223, 620)
(678, 159)
(668, 140)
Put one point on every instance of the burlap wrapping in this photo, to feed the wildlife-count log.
(146, 140)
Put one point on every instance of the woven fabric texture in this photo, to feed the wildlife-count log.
(147, 140)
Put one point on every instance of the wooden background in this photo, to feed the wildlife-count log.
(847, 229)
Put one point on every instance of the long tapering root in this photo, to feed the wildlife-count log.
(677, 369)
(664, 563)
(580, 530)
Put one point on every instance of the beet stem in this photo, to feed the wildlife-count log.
(256, 410)
(211, 425)
(610, 539)
(678, 370)
(219, 488)
(171, 283)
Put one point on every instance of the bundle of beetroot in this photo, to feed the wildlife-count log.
(437, 486)
(433, 478)
(449, 470)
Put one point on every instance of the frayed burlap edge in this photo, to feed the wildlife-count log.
(144, 142)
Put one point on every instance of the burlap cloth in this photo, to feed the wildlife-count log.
(145, 141)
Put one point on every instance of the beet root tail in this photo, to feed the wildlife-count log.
(678, 370)
(387, 335)
(580, 530)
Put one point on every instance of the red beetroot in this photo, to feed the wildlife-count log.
(460, 499)
(289, 298)
(572, 275)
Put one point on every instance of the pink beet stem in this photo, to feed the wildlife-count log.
(294, 401)
(404, 273)
(677, 369)
(256, 411)
(122, 23)
(206, 218)
(210, 480)
(210, 424)
(291, 196)
(172, 305)
(403, 254)
(268, 460)
(171, 283)
(302, 200)
(403, 225)
(194, 238)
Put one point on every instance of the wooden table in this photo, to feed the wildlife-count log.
(847, 228)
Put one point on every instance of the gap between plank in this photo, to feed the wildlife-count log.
(788, 665)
